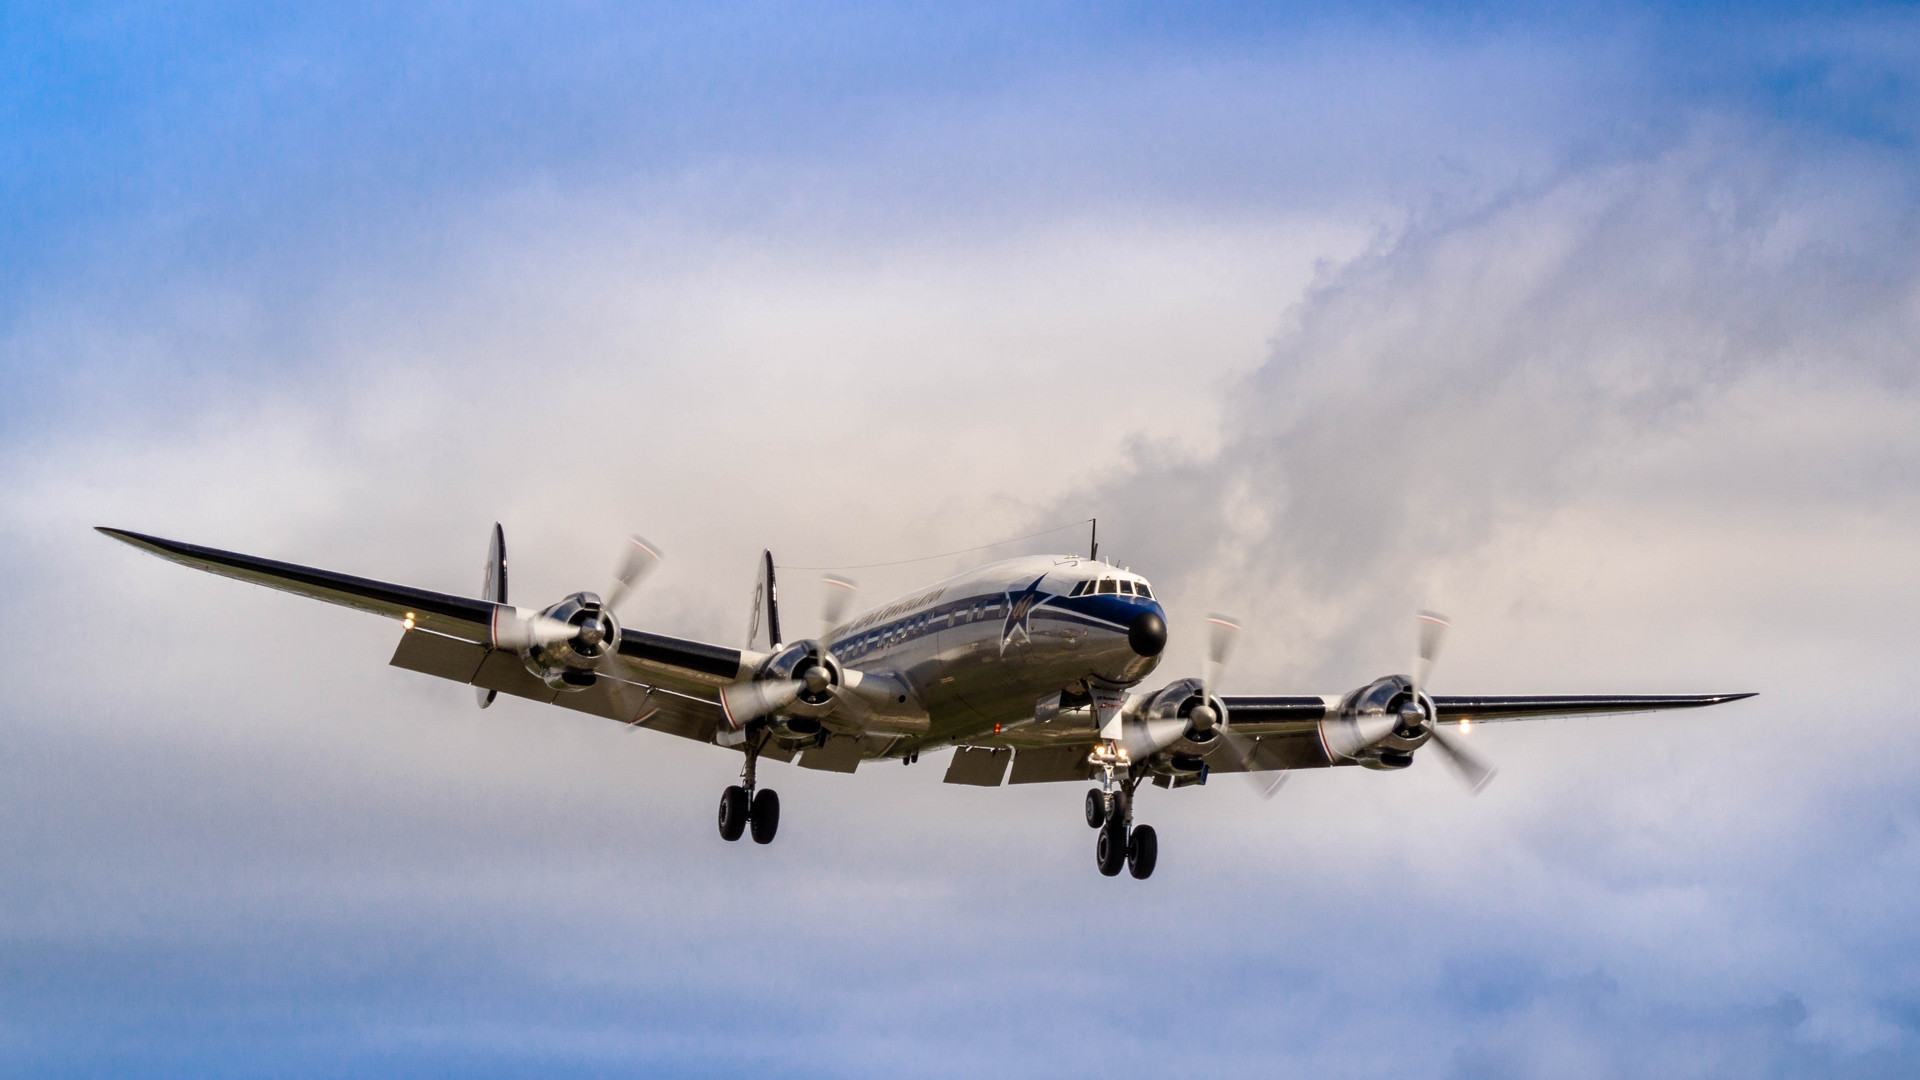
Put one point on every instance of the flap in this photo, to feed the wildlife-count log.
(840, 753)
(1053, 763)
(981, 766)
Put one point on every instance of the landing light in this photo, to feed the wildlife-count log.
(408, 621)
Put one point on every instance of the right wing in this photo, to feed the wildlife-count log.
(658, 681)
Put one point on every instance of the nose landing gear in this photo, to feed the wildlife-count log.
(742, 807)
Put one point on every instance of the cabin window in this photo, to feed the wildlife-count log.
(1106, 586)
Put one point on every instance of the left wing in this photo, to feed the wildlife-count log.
(1480, 709)
(1264, 715)
(1284, 732)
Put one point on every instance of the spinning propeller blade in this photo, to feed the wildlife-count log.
(1222, 634)
(839, 595)
(1431, 633)
(755, 698)
(1474, 772)
(641, 557)
(1247, 752)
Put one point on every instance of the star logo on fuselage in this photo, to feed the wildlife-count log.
(1020, 607)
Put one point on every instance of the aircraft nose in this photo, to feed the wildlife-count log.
(1148, 634)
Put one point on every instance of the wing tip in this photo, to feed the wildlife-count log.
(139, 540)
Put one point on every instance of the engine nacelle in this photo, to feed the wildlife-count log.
(1379, 725)
(1167, 722)
(563, 644)
(798, 661)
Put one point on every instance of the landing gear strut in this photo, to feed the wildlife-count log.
(741, 806)
(1121, 843)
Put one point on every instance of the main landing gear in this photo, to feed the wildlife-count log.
(742, 808)
(1121, 842)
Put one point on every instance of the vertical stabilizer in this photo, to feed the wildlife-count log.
(494, 587)
(766, 608)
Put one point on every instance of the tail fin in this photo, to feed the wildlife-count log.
(766, 607)
(494, 587)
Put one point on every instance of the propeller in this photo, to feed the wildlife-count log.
(751, 699)
(639, 561)
(1431, 630)
(1431, 633)
(839, 595)
(1222, 634)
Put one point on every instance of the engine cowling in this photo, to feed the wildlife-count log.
(562, 644)
(810, 663)
(1380, 725)
(1172, 720)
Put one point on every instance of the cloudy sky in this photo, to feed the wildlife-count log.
(1598, 329)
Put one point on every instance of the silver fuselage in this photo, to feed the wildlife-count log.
(986, 647)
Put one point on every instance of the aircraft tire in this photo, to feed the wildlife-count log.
(1096, 808)
(1143, 850)
(1111, 850)
(766, 816)
(733, 813)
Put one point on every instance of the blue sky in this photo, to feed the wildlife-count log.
(1594, 328)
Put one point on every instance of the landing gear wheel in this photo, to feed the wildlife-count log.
(1111, 851)
(765, 816)
(733, 813)
(1096, 808)
(1143, 850)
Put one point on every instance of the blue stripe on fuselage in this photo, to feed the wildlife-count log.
(1109, 608)
(1102, 610)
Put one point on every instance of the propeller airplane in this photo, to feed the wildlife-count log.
(1030, 669)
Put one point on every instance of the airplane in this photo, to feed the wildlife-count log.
(1030, 669)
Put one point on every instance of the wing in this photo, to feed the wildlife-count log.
(1462, 710)
(1293, 715)
(455, 616)
(676, 706)
(1286, 729)
(655, 681)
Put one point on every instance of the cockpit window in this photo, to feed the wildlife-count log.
(1140, 589)
(1126, 588)
(1106, 585)
(1078, 588)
